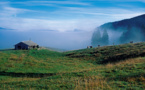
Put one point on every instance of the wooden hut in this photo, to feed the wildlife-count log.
(26, 45)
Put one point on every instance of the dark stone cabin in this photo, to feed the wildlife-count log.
(26, 45)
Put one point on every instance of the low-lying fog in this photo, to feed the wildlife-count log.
(103, 37)
(71, 40)
(61, 40)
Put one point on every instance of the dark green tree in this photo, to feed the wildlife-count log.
(96, 38)
(105, 38)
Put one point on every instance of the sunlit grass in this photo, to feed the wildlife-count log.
(77, 70)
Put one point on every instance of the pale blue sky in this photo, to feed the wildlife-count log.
(65, 15)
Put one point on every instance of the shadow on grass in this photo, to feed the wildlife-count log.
(33, 75)
(114, 58)
(126, 77)
(37, 75)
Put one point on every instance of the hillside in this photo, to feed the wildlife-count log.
(55, 49)
(137, 21)
(110, 54)
(109, 67)
(119, 32)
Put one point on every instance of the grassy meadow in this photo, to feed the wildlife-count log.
(119, 67)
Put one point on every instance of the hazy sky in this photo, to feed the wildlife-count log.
(65, 15)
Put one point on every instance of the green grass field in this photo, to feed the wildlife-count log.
(119, 67)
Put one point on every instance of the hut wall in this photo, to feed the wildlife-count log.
(21, 46)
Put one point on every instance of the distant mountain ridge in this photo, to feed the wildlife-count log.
(1, 28)
(123, 31)
(135, 21)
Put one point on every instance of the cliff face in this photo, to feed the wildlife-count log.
(119, 32)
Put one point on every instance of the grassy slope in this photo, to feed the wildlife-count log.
(110, 54)
(99, 68)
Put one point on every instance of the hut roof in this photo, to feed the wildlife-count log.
(29, 43)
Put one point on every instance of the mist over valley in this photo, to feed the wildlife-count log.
(112, 33)
(55, 39)
(120, 32)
